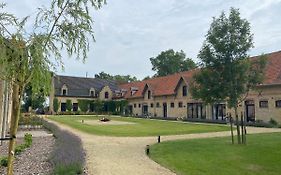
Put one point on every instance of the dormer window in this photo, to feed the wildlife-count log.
(64, 90)
(184, 91)
(148, 94)
(92, 92)
(106, 95)
(133, 90)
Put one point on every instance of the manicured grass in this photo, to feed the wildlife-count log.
(142, 127)
(216, 156)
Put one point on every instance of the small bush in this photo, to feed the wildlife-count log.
(56, 105)
(273, 122)
(30, 119)
(19, 148)
(4, 161)
(27, 143)
(28, 139)
(68, 156)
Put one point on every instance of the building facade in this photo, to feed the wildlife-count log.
(79, 88)
(169, 96)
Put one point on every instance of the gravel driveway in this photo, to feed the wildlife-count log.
(126, 155)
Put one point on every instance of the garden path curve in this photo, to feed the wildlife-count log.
(126, 155)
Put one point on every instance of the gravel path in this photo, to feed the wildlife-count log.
(126, 155)
(33, 160)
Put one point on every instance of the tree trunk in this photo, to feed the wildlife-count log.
(231, 128)
(16, 97)
(237, 126)
(245, 131)
(242, 128)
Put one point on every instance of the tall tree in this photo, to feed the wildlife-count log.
(118, 78)
(33, 100)
(169, 62)
(146, 78)
(227, 73)
(25, 57)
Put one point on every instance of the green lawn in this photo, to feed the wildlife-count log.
(216, 156)
(142, 127)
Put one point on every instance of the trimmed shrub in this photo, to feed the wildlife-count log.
(68, 156)
(273, 122)
(98, 106)
(4, 161)
(84, 105)
(56, 104)
(68, 105)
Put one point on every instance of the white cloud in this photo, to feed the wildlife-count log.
(129, 32)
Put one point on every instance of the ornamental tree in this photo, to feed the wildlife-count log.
(25, 56)
(227, 73)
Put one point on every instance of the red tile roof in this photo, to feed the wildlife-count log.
(159, 86)
(273, 69)
(166, 85)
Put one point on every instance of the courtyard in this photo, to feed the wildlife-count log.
(134, 127)
(111, 151)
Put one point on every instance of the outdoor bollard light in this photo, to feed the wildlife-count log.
(158, 139)
(82, 121)
(147, 149)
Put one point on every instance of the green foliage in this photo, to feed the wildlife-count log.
(169, 62)
(19, 148)
(27, 143)
(28, 139)
(4, 161)
(273, 122)
(98, 105)
(33, 100)
(110, 106)
(120, 106)
(84, 105)
(68, 156)
(227, 73)
(30, 120)
(56, 104)
(68, 105)
(25, 56)
(73, 169)
(65, 30)
(146, 78)
(118, 78)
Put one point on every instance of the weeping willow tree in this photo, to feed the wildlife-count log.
(25, 56)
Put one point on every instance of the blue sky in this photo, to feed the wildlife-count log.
(129, 32)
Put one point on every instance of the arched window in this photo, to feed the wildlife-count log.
(106, 95)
